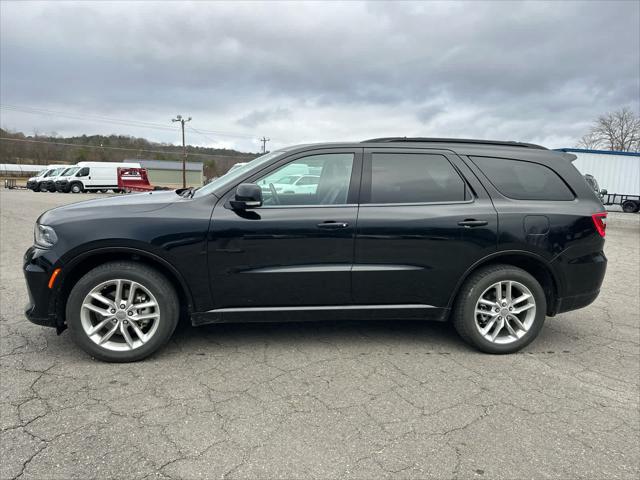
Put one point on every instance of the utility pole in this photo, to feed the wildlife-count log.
(264, 141)
(184, 148)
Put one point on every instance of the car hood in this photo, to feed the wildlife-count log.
(110, 206)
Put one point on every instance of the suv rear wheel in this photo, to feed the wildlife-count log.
(122, 311)
(500, 309)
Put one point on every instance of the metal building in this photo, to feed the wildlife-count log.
(165, 173)
(617, 172)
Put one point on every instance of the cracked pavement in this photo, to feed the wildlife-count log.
(323, 400)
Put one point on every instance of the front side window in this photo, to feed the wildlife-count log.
(308, 180)
(415, 178)
(523, 180)
(83, 172)
(313, 180)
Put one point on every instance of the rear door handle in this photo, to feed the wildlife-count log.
(470, 222)
(329, 225)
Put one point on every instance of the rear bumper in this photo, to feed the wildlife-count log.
(566, 304)
(582, 279)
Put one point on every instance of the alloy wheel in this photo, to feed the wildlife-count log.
(505, 312)
(120, 315)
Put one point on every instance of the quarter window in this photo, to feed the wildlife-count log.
(523, 180)
(313, 180)
(415, 178)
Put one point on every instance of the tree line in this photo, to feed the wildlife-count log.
(37, 149)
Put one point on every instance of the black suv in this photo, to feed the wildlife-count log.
(494, 235)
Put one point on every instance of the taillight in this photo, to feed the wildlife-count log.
(600, 222)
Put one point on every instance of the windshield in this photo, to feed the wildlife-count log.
(231, 177)
(70, 171)
(41, 173)
(54, 173)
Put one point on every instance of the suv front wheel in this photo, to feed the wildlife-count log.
(122, 311)
(500, 309)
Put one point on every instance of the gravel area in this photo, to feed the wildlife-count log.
(324, 400)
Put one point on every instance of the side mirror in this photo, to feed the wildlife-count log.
(603, 191)
(248, 195)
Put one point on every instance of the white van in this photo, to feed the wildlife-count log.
(49, 182)
(37, 183)
(93, 176)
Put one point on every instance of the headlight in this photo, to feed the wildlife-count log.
(44, 237)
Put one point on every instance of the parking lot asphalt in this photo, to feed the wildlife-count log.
(324, 400)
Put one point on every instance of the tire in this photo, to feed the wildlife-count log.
(630, 206)
(153, 288)
(76, 187)
(482, 284)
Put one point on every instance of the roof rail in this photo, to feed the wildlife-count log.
(453, 140)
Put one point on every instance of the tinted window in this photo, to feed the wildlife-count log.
(523, 180)
(330, 187)
(414, 178)
(308, 181)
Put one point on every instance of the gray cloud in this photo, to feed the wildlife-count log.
(325, 71)
(260, 117)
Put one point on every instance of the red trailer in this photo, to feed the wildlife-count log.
(133, 180)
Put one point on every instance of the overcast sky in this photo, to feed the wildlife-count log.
(535, 72)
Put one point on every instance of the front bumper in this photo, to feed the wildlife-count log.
(62, 186)
(41, 306)
(32, 184)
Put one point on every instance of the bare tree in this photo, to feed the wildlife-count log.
(590, 141)
(619, 130)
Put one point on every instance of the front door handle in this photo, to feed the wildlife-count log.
(472, 222)
(330, 225)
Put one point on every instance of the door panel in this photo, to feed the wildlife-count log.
(285, 253)
(280, 257)
(415, 253)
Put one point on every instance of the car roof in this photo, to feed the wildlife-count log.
(489, 148)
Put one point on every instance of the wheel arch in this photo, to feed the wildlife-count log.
(88, 260)
(527, 261)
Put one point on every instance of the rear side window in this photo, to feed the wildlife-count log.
(522, 180)
(415, 178)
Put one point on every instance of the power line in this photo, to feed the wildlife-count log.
(78, 145)
(99, 118)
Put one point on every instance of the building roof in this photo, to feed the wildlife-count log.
(602, 152)
(167, 165)
(15, 167)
